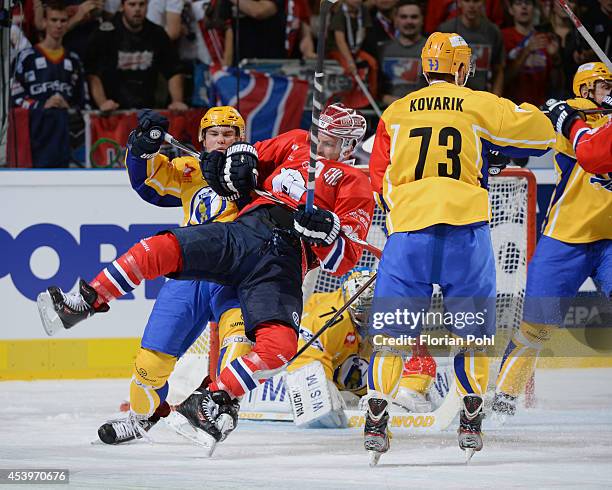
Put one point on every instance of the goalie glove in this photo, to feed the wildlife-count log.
(146, 140)
(232, 175)
(562, 116)
(321, 227)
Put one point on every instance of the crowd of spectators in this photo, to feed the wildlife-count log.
(125, 54)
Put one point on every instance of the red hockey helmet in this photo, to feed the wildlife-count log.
(343, 123)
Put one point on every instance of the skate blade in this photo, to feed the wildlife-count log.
(182, 427)
(374, 457)
(468, 455)
(50, 319)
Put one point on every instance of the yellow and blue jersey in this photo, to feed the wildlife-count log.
(335, 346)
(580, 210)
(178, 183)
(429, 159)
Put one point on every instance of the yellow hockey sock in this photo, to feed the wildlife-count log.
(232, 339)
(149, 386)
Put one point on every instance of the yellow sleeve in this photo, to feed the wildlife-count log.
(522, 130)
(329, 346)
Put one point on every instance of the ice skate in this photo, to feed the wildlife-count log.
(504, 406)
(211, 416)
(132, 427)
(470, 421)
(376, 434)
(61, 311)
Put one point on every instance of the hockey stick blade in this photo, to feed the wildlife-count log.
(268, 373)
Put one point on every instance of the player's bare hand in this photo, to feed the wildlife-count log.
(109, 105)
(178, 106)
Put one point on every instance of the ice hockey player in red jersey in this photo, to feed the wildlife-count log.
(264, 253)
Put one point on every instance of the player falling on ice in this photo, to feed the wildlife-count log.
(343, 352)
(182, 308)
(576, 241)
(264, 253)
(429, 166)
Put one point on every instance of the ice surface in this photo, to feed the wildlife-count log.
(566, 442)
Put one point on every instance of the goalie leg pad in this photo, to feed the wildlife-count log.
(149, 385)
(315, 400)
(150, 258)
(275, 344)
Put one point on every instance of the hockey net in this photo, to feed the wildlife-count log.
(512, 196)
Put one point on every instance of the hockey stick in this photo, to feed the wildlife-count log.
(368, 95)
(268, 373)
(585, 34)
(317, 102)
(168, 138)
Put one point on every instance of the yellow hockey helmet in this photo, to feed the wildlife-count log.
(444, 53)
(221, 116)
(588, 73)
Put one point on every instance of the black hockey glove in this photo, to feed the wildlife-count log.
(321, 227)
(147, 138)
(562, 116)
(232, 175)
(497, 162)
(606, 103)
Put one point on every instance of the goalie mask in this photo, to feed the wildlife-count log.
(345, 124)
(359, 310)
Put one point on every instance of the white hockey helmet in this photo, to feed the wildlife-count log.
(343, 123)
(359, 310)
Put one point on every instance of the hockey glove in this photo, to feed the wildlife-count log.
(562, 116)
(321, 227)
(146, 140)
(232, 175)
(497, 162)
(606, 103)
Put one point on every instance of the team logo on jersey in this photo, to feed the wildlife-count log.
(187, 171)
(134, 60)
(40, 63)
(67, 64)
(332, 176)
(107, 26)
(350, 338)
(602, 181)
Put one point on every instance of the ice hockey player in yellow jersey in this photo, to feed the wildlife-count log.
(429, 165)
(342, 353)
(576, 243)
(182, 308)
